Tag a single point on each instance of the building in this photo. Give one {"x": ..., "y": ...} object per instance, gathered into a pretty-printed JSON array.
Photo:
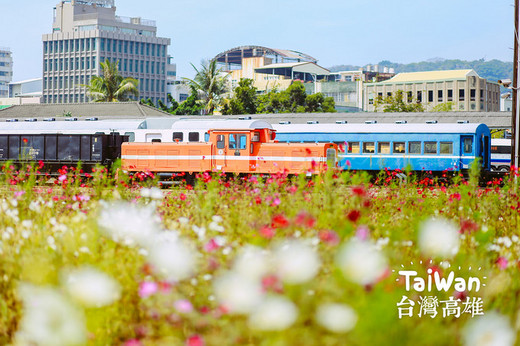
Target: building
[
  {"x": 24, "y": 92},
  {"x": 269, "y": 68},
  {"x": 87, "y": 32},
  {"x": 6, "y": 71},
  {"x": 464, "y": 90}
]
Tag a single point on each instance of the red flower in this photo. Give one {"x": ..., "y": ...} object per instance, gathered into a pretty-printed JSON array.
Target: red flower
[
  {"x": 468, "y": 226},
  {"x": 195, "y": 340},
  {"x": 359, "y": 191},
  {"x": 328, "y": 236},
  {"x": 279, "y": 221},
  {"x": 182, "y": 197},
  {"x": 267, "y": 232},
  {"x": 354, "y": 215},
  {"x": 271, "y": 283},
  {"x": 305, "y": 219}
]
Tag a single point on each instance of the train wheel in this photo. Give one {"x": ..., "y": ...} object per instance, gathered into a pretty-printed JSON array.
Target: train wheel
[{"x": 503, "y": 169}]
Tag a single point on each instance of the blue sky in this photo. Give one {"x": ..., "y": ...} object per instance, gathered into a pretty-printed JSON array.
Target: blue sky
[{"x": 355, "y": 32}]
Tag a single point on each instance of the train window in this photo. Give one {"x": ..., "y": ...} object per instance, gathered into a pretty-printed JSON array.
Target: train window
[
  {"x": 353, "y": 147},
  {"x": 206, "y": 137},
  {"x": 398, "y": 147},
  {"x": 468, "y": 145},
  {"x": 156, "y": 140},
  {"x": 193, "y": 136},
  {"x": 255, "y": 137},
  {"x": 221, "y": 141},
  {"x": 446, "y": 148},
  {"x": 242, "y": 142},
  {"x": 232, "y": 141},
  {"x": 414, "y": 147},
  {"x": 500, "y": 149},
  {"x": 383, "y": 147},
  {"x": 430, "y": 147},
  {"x": 369, "y": 147},
  {"x": 177, "y": 136}
]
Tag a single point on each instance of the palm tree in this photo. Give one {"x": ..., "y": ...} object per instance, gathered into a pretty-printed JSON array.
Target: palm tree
[
  {"x": 210, "y": 84},
  {"x": 111, "y": 86}
]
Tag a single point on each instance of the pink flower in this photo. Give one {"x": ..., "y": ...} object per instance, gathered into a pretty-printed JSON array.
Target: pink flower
[
  {"x": 147, "y": 288},
  {"x": 183, "y": 306},
  {"x": 501, "y": 262},
  {"x": 362, "y": 233},
  {"x": 19, "y": 193},
  {"x": 328, "y": 236},
  {"x": 276, "y": 202},
  {"x": 132, "y": 342},
  {"x": 62, "y": 178},
  {"x": 195, "y": 340},
  {"x": 211, "y": 245},
  {"x": 267, "y": 232}
]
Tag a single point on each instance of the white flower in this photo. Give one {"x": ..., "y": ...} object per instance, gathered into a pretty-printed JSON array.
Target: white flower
[
  {"x": 172, "y": 258},
  {"x": 49, "y": 319},
  {"x": 252, "y": 262},
  {"x": 91, "y": 287},
  {"x": 217, "y": 218},
  {"x": 129, "y": 224},
  {"x": 183, "y": 220},
  {"x": 361, "y": 262},
  {"x": 491, "y": 329},
  {"x": 337, "y": 318},
  {"x": 438, "y": 238},
  {"x": 238, "y": 293},
  {"x": 199, "y": 231},
  {"x": 296, "y": 262},
  {"x": 215, "y": 226},
  {"x": 153, "y": 193},
  {"x": 275, "y": 313}
]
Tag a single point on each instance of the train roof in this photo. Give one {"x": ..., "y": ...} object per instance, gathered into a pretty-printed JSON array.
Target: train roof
[
  {"x": 221, "y": 124},
  {"x": 378, "y": 128},
  {"x": 63, "y": 125}
]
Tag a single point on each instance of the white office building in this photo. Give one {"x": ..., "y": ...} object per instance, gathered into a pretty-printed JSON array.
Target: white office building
[
  {"x": 6, "y": 71},
  {"x": 87, "y": 32}
]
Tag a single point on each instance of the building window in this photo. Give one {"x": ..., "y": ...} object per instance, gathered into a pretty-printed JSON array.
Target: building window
[
  {"x": 409, "y": 97},
  {"x": 430, "y": 95},
  {"x": 481, "y": 95},
  {"x": 450, "y": 95},
  {"x": 472, "y": 94},
  {"x": 461, "y": 94},
  {"x": 439, "y": 95},
  {"x": 419, "y": 96}
]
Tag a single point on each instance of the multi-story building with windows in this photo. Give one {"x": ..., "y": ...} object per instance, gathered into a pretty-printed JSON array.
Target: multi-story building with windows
[
  {"x": 87, "y": 32},
  {"x": 6, "y": 71},
  {"x": 462, "y": 90}
]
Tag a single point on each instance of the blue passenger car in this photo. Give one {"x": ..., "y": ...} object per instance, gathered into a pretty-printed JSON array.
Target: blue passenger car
[{"x": 422, "y": 147}]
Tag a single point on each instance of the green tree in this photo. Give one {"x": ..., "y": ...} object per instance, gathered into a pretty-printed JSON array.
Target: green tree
[
  {"x": 210, "y": 83},
  {"x": 317, "y": 103},
  {"x": 244, "y": 100},
  {"x": 297, "y": 96},
  {"x": 443, "y": 107},
  {"x": 111, "y": 86},
  {"x": 191, "y": 106},
  {"x": 396, "y": 103}
]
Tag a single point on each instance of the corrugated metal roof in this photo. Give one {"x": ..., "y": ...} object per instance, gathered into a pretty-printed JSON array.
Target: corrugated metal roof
[
  {"x": 308, "y": 67},
  {"x": 427, "y": 76}
]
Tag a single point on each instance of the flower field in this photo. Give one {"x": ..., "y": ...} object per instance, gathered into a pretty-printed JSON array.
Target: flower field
[{"x": 333, "y": 260}]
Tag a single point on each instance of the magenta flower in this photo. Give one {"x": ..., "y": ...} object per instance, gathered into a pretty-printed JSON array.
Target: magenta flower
[
  {"x": 62, "y": 178},
  {"x": 132, "y": 342},
  {"x": 501, "y": 262},
  {"x": 211, "y": 245},
  {"x": 195, "y": 340},
  {"x": 147, "y": 288},
  {"x": 362, "y": 233},
  {"x": 183, "y": 306}
]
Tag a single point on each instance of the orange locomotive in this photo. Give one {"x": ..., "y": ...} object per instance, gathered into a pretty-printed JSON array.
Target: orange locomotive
[{"x": 229, "y": 151}]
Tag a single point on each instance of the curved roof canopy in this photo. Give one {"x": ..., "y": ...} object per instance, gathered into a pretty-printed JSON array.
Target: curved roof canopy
[{"x": 235, "y": 55}]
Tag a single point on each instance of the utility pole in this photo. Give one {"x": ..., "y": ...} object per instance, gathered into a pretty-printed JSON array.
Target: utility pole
[{"x": 515, "y": 119}]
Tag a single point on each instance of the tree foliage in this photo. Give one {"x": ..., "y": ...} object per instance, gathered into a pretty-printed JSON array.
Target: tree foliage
[
  {"x": 396, "y": 103},
  {"x": 443, "y": 107},
  {"x": 111, "y": 86},
  {"x": 292, "y": 100},
  {"x": 209, "y": 82}
]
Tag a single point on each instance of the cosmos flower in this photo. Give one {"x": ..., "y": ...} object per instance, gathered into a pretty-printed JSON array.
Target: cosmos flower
[
  {"x": 252, "y": 262},
  {"x": 275, "y": 313},
  {"x": 91, "y": 287},
  {"x": 238, "y": 293},
  {"x": 147, "y": 288},
  {"x": 296, "y": 262},
  {"x": 438, "y": 238},
  {"x": 491, "y": 329},
  {"x": 129, "y": 224},
  {"x": 153, "y": 193},
  {"x": 172, "y": 258},
  {"x": 183, "y": 306},
  {"x": 337, "y": 318},
  {"x": 361, "y": 262},
  {"x": 49, "y": 319}
]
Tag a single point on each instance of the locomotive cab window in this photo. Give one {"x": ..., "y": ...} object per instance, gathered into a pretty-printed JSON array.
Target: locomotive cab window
[
  {"x": 369, "y": 147},
  {"x": 384, "y": 147},
  {"x": 242, "y": 141},
  {"x": 255, "y": 137},
  {"x": 177, "y": 136},
  {"x": 430, "y": 147},
  {"x": 399, "y": 147},
  {"x": 414, "y": 147},
  {"x": 468, "y": 145},
  {"x": 193, "y": 136},
  {"x": 206, "y": 137},
  {"x": 232, "y": 141},
  {"x": 446, "y": 147},
  {"x": 353, "y": 147},
  {"x": 221, "y": 141}
]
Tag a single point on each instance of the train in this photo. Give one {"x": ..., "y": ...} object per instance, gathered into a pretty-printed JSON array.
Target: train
[
  {"x": 500, "y": 155},
  {"x": 426, "y": 147}
]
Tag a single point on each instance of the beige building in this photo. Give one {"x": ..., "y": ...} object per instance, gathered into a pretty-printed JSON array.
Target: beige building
[{"x": 463, "y": 89}]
